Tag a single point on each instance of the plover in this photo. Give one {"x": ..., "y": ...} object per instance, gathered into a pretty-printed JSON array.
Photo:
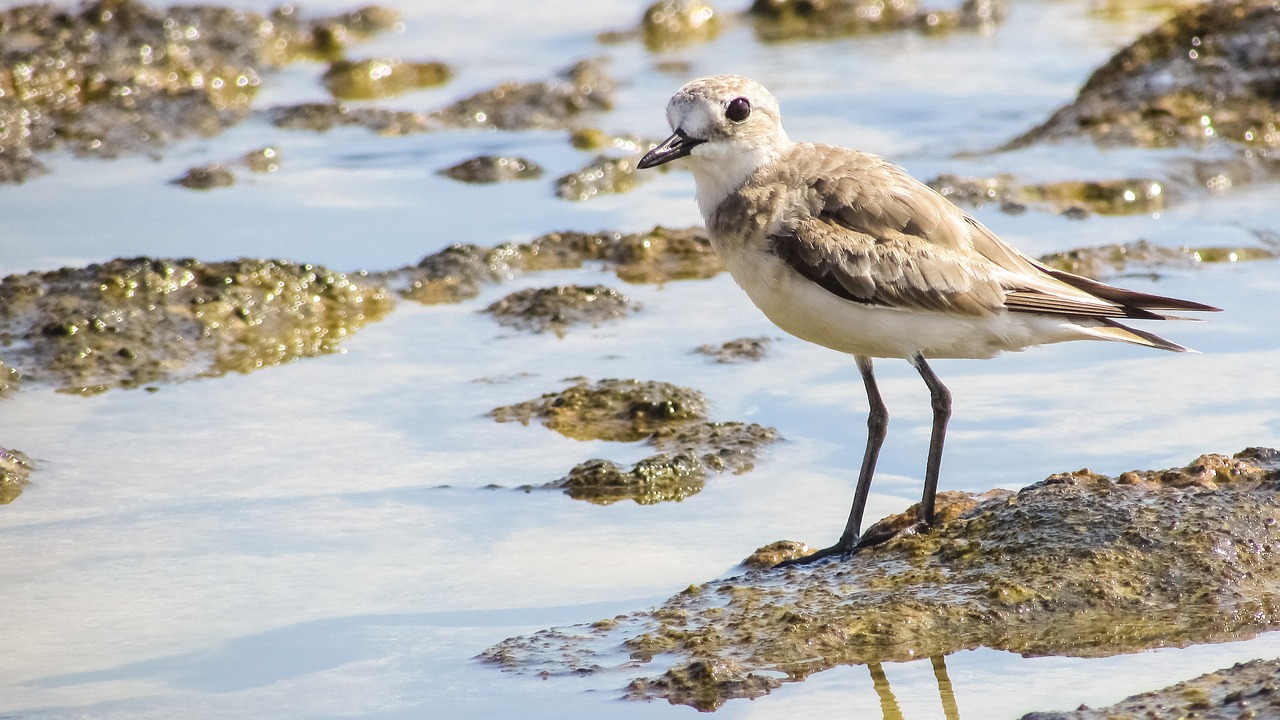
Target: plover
[{"x": 846, "y": 250}]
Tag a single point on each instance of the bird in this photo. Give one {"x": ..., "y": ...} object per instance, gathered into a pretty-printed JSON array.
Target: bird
[{"x": 846, "y": 250}]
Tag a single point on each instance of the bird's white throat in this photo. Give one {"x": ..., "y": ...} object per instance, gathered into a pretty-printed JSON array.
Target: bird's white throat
[{"x": 721, "y": 167}]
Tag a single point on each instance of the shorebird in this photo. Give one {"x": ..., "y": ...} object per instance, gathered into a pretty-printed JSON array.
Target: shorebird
[{"x": 846, "y": 250}]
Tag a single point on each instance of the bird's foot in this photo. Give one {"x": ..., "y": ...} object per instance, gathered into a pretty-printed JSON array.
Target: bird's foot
[{"x": 847, "y": 547}]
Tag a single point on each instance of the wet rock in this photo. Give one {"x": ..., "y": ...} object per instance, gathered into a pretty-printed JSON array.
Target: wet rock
[
  {"x": 206, "y": 177},
  {"x": 670, "y": 24},
  {"x": 622, "y": 410},
  {"x": 375, "y": 79},
  {"x": 117, "y": 77},
  {"x": 493, "y": 169},
  {"x": 737, "y": 351},
  {"x": 977, "y": 192},
  {"x": 557, "y": 308},
  {"x": 1129, "y": 196},
  {"x": 322, "y": 117},
  {"x": 131, "y": 322},
  {"x": 1210, "y": 72},
  {"x": 550, "y": 105},
  {"x": 1105, "y": 197},
  {"x": 660, "y": 478},
  {"x": 776, "y": 552},
  {"x": 1105, "y": 260},
  {"x": 688, "y": 452},
  {"x": 597, "y": 140},
  {"x": 1246, "y": 691},
  {"x": 602, "y": 176},
  {"x": 1079, "y": 564},
  {"x": 10, "y": 380},
  {"x": 458, "y": 272},
  {"x": 15, "y": 471},
  {"x": 789, "y": 19}
]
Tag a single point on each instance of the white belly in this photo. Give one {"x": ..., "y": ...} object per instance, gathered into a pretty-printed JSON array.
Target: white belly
[{"x": 810, "y": 313}]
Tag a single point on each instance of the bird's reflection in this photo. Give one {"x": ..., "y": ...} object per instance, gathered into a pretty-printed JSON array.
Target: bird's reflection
[{"x": 889, "y": 704}]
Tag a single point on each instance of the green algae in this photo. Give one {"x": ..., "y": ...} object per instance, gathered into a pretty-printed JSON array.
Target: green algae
[
  {"x": 1079, "y": 564},
  {"x": 583, "y": 88},
  {"x": 130, "y": 322}
]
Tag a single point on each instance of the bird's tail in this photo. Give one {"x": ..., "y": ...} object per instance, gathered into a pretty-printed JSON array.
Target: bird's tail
[{"x": 1111, "y": 330}]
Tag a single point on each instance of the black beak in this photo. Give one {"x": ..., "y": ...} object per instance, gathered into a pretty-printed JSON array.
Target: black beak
[{"x": 676, "y": 146}]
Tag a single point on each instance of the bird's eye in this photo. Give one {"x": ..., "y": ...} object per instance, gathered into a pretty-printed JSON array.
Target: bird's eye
[{"x": 739, "y": 109}]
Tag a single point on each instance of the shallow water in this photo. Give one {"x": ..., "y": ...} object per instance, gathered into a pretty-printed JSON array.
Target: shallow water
[{"x": 322, "y": 539}]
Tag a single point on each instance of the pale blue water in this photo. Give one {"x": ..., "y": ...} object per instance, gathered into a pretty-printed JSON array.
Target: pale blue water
[{"x": 279, "y": 544}]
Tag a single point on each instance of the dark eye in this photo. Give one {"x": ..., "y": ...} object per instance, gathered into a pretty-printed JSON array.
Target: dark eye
[{"x": 738, "y": 110}]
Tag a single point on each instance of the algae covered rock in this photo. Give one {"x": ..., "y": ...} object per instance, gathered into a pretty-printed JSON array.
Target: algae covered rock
[
  {"x": 1245, "y": 691},
  {"x": 558, "y": 308},
  {"x": 1079, "y": 564},
  {"x": 119, "y": 77},
  {"x": 137, "y": 321},
  {"x": 1210, "y": 72},
  {"x": 669, "y": 418},
  {"x": 458, "y": 272},
  {"x": 622, "y": 410},
  {"x": 548, "y": 105},
  {"x": 15, "y": 469},
  {"x": 484, "y": 169},
  {"x": 377, "y": 78}
]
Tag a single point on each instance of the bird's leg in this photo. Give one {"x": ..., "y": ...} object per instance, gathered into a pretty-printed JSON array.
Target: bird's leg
[
  {"x": 877, "y": 425},
  {"x": 941, "y": 401}
]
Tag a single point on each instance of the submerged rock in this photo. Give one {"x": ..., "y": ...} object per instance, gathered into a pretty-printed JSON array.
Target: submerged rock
[
  {"x": 458, "y": 272},
  {"x": 15, "y": 471},
  {"x": 1079, "y": 564},
  {"x": 1210, "y": 72},
  {"x": 131, "y": 322},
  {"x": 493, "y": 169},
  {"x": 374, "y": 79},
  {"x": 556, "y": 308},
  {"x": 740, "y": 350},
  {"x": 206, "y": 177},
  {"x": 118, "y": 77},
  {"x": 1245, "y": 691}
]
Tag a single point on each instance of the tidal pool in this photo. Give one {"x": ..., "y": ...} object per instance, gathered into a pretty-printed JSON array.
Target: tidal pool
[{"x": 342, "y": 535}]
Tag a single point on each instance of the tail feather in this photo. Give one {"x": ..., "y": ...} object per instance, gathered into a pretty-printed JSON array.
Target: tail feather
[
  {"x": 1112, "y": 330},
  {"x": 1139, "y": 304}
]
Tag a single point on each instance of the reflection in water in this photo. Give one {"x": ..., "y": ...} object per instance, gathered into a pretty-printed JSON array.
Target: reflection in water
[{"x": 889, "y": 704}]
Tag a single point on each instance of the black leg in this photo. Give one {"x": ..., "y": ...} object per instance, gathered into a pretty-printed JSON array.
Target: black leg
[
  {"x": 877, "y": 425},
  {"x": 941, "y": 401}
]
